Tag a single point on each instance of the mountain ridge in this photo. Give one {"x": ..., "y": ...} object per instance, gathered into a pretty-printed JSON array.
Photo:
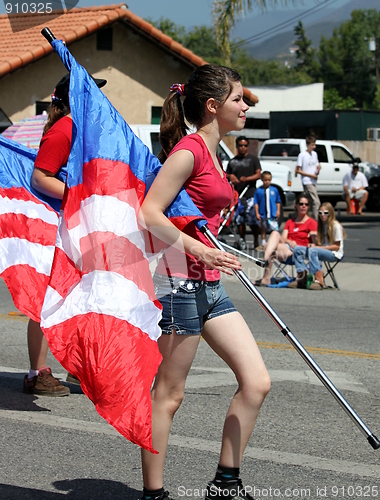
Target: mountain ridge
[{"x": 322, "y": 23}]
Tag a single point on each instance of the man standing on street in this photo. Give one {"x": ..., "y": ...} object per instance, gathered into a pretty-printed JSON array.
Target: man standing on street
[
  {"x": 309, "y": 167},
  {"x": 243, "y": 171},
  {"x": 355, "y": 188}
]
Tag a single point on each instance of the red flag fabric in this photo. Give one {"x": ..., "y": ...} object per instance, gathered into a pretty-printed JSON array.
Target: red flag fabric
[{"x": 28, "y": 229}]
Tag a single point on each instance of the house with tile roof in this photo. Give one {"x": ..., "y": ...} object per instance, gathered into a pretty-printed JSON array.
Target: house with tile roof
[{"x": 138, "y": 61}]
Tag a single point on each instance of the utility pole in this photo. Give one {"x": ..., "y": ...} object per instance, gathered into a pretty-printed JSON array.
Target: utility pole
[
  {"x": 373, "y": 46},
  {"x": 377, "y": 60}
]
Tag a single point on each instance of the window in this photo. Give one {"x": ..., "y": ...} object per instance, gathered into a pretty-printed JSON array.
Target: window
[
  {"x": 104, "y": 39},
  {"x": 281, "y": 149},
  {"x": 341, "y": 155},
  {"x": 322, "y": 153},
  {"x": 4, "y": 121},
  {"x": 373, "y": 134},
  {"x": 257, "y": 123},
  {"x": 156, "y": 146},
  {"x": 42, "y": 106},
  {"x": 156, "y": 115}
]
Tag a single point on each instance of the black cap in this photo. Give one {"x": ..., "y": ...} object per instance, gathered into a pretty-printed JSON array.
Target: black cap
[{"x": 61, "y": 90}]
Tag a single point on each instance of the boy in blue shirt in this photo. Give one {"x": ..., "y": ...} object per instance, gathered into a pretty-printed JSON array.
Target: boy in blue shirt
[{"x": 267, "y": 203}]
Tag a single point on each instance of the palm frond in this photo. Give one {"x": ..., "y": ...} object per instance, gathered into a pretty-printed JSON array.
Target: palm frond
[{"x": 225, "y": 14}]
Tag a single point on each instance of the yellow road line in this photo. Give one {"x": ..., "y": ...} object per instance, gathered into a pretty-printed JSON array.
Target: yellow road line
[
  {"x": 320, "y": 350},
  {"x": 14, "y": 316}
]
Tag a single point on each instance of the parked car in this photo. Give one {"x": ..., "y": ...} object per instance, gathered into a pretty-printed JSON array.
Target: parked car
[
  {"x": 336, "y": 161},
  {"x": 372, "y": 172}
]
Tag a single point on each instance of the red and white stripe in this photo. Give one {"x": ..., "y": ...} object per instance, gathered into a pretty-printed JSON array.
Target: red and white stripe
[
  {"x": 28, "y": 231},
  {"x": 100, "y": 313}
]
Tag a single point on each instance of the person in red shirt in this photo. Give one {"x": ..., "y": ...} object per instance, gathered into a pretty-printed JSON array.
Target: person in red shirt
[
  {"x": 49, "y": 178},
  {"x": 187, "y": 280},
  {"x": 296, "y": 232}
]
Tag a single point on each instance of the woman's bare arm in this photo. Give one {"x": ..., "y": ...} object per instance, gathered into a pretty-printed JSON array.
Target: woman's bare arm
[
  {"x": 44, "y": 182},
  {"x": 170, "y": 179}
]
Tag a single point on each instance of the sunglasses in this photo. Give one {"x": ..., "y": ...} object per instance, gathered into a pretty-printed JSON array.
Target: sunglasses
[
  {"x": 242, "y": 145},
  {"x": 303, "y": 204},
  {"x": 325, "y": 212}
]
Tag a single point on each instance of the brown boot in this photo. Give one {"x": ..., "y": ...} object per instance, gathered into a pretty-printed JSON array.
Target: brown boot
[
  {"x": 300, "y": 282},
  {"x": 318, "y": 282}
]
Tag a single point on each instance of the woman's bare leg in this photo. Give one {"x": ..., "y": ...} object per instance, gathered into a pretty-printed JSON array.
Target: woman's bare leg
[
  {"x": 229, "y": 336},
  {"x": 178, "y": 352},
  {"x": 275, "y": 248}
]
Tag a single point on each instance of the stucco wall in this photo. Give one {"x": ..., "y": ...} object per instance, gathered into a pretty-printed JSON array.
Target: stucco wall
[{"x": 139, "y": 75}]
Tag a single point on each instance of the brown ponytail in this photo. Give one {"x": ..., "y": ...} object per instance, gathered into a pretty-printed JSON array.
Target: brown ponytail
[
  {"x": 173, "y": 126},
  {"x": 207, "y": 81},
  {"x": 55, "y": 113}
]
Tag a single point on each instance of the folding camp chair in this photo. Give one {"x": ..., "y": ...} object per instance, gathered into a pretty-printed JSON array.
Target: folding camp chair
[
  {"x": 284, "y": 271},
  {"x": 330, "y": 266}
]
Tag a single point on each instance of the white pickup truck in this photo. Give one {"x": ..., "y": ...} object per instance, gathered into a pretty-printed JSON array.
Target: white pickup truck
[
  {"x": 281, "y": 176},
  {"x": 335, "y": 159}
]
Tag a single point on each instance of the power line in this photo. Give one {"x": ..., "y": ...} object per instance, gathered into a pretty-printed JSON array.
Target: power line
[{"x": 283, "y": 24}]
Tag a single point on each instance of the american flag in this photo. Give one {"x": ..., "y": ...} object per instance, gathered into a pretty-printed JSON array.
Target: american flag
[
  {"x": 100, "y": 314},
  {"x": 28, "y": 229}
]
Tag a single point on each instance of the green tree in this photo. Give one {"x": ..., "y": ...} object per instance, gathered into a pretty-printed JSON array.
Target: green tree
[
  {"x": 376, "y": 101},
  {"x": 201, "y": 40},
  {"x": 346, "y": 62},
  {"x": 305, "y": 54},
  {"x": 332, "y": 100},
  {"x": 178, "y": 33}
]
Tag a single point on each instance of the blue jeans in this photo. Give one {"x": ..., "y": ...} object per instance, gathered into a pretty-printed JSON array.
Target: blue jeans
[{"x": 315, "y": 255}]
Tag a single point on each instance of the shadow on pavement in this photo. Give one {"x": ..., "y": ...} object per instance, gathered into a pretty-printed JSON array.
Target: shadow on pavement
[
  {"x": 13, "y": 398},
  {"x": 76, "y": 489}
]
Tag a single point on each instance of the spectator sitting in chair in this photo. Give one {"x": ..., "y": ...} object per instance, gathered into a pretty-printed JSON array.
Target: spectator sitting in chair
[
  {"x": 297, "y": 232},
  {"x": 354, "y": 188},
  {"x": 327, "y": 247}
]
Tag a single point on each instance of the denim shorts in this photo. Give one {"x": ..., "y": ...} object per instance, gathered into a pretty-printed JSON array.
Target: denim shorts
[{"x": 188, "y": 304}]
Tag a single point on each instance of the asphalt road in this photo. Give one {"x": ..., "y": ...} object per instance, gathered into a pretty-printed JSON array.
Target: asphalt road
[{"x": 304, "y": 445}]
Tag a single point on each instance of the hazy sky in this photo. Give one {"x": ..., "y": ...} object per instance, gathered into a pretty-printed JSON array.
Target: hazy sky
[
  {"x": 189, "y": 13},
  {"x": 197, "y": 12}
]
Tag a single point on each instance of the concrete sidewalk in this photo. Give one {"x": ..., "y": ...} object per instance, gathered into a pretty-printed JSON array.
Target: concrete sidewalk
[{"x": 349, "y": 275}]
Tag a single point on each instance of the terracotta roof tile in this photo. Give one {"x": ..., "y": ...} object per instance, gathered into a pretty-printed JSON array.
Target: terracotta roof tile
[
  {"x": 22, "y": 46},
  {"x": 25, "y": 43}
]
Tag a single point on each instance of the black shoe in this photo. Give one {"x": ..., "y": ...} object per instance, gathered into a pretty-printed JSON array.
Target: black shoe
[
  {"x": 164, "y": 496},
  {"x": 234, "y": 491}
]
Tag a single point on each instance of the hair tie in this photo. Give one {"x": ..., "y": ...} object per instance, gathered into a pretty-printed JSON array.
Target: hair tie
[
  {"x": 178, "y": 87},
  {"x": 54, "y": 98}
]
